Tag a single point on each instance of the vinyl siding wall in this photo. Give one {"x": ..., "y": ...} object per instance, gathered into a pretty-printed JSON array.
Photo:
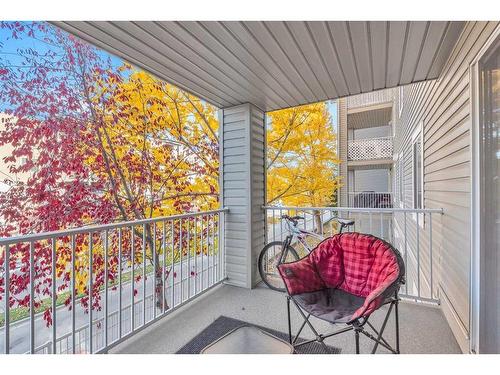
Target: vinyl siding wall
[{"x": 442, "y": 107}]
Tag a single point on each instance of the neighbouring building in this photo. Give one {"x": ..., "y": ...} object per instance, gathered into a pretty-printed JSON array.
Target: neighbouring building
[
  {"x": 366, "y": 144},
  {"x": 7, "y": 177}
]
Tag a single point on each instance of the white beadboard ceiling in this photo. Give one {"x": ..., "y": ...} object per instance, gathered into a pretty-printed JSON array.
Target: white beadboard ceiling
[
  {"x": 276, "y": 64},
  {"x": 380, "y": 115}
]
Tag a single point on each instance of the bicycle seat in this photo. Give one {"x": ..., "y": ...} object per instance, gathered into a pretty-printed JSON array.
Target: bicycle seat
[{"x": 345, "y": 222}]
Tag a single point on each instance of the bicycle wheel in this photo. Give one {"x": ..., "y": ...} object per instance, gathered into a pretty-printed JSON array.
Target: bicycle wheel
[{"x": 268, "y": 261}]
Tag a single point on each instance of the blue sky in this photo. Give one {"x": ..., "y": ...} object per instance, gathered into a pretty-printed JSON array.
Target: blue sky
[
  {"x": 332, "y": 108},
  {"x": 9, "y": 47}
]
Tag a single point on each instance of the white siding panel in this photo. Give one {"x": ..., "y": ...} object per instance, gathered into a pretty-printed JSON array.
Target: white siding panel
[
  {"x": 243, "y": 191},
  {"x": 442, "y": 106}
]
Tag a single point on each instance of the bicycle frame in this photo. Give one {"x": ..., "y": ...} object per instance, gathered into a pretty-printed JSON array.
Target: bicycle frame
[{"x": 299, "y": 234}]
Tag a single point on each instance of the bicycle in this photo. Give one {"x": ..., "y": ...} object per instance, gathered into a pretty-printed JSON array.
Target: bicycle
[{"x": 278, "y": 252}]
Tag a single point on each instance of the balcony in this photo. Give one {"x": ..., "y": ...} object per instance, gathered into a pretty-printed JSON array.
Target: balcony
[
  {"x": 366, "y": 199},
  {"x": 370, "y": 149},
  {"x": 370, "y": 99},
  {"x": 190, "y": 263},
  {"x": 158, "y": 283}
]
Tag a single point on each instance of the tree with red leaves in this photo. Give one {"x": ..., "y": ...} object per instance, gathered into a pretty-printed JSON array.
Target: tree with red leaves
[{"x": 101, "y": 143}]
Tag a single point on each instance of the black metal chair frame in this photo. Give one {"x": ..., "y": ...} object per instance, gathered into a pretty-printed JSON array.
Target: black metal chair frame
[{"x": 357, "y": 325}]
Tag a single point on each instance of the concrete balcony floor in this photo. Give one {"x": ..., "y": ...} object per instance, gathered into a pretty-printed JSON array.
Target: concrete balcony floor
[{"x": 423, "y": 328}]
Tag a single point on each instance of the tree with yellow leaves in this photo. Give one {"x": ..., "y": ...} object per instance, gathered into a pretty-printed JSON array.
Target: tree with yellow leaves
[{"x": 302, "y": 157}]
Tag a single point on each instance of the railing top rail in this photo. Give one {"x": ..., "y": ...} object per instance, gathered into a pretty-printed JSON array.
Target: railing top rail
[
  {"x": 359, "y": 209},
  {"x": 371, "y": 139},
  {"x": 369, "y": 192},
  {"x": 98, "y": 228}
]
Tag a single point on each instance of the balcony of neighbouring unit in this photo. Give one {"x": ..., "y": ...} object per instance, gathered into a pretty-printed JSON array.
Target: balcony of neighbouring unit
[{"x": 370, "y": 149}]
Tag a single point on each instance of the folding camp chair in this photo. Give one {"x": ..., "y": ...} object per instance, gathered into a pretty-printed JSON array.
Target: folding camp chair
[{"x": 344, "y": 280}]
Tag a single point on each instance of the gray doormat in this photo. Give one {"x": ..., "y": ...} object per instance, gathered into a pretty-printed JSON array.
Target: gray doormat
[{"x": 223, "y": 325}]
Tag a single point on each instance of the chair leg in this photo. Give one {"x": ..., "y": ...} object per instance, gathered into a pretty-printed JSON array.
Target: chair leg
[
  {"x": 297, "y": 335},
  {"x": 396, "y": 311},
  {"x": 356, "y": 336},
  {"x": 381, "y": 332},
  {"x": 289, "y": 319}
]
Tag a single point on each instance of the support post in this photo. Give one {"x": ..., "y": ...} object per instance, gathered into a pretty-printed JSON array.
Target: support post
[{"x": 242, "y": 157}]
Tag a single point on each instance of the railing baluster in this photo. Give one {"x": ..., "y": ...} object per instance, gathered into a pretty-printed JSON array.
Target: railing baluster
[
  {"x": 172, "y": 265},
  {"x": 181, "y": 259},
  {"x": 406, "y": 252},
  {"x": 382, "y": 234},
  {"x": 217, "y": 248},
  {"x": 281, "y": 225},
  {"x": 73, "y": 292},
  {"x": 106, "y": 249},
  {"x": 274, "y": 225},
  {"x": 220, "y": 225},
  {"x": 155, "y": 275},
  {"x": 90, "y": 291},
  {"x": 132, "y": 280},
  {"x": 120, "y": 283},
  {"x": 32, "y": 297},
  {"x": 202, "y": 255},
  {"x": 163, "y": 269},
  {"x": 430, "y": 254},
  {"x": 144, "y": 274},
  {"x": 213, "y": 250},
  {"x": 208, "y": 251},
  {"x": 195, "y": 255},
  {"x": 418, "y": 254},
  {"x": 321, "y": 229},
  {"x": 54, "y": 296},
  {"x": 188, "y": 258},
  {"x": 6, "y": 299}
]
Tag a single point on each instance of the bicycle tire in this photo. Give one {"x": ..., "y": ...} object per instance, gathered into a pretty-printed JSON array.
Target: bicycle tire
[{"x": 273, "y": 280}]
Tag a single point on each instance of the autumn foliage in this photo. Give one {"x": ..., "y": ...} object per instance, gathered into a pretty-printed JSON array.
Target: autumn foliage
[
  {"x": 101, "y": 143},
  {"x": 302, "y": 157}
]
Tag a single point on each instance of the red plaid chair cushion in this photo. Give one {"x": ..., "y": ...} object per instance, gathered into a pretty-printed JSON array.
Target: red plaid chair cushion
[{"x": 359, "y": 264}]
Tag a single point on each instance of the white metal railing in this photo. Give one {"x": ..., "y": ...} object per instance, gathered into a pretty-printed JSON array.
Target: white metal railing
[
  {"x": 409, "y": 230},
  {"x": 156, "y": 265},
  {"x": 64, "y": 344},
  {"x": 370, "y": 199},
  {"x": 370, "y": 148}
]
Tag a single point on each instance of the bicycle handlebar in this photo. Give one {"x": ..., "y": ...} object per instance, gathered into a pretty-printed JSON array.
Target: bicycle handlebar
[{"x": 293, "y": 219}]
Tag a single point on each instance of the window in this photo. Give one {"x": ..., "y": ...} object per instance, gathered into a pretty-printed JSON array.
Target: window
[{"x": 417, "y": 169}]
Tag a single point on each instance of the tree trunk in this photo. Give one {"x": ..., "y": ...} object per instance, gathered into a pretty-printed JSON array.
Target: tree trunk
[
  {"x": 318, "y": 225},
  {"x": 161, "y": 298}
]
